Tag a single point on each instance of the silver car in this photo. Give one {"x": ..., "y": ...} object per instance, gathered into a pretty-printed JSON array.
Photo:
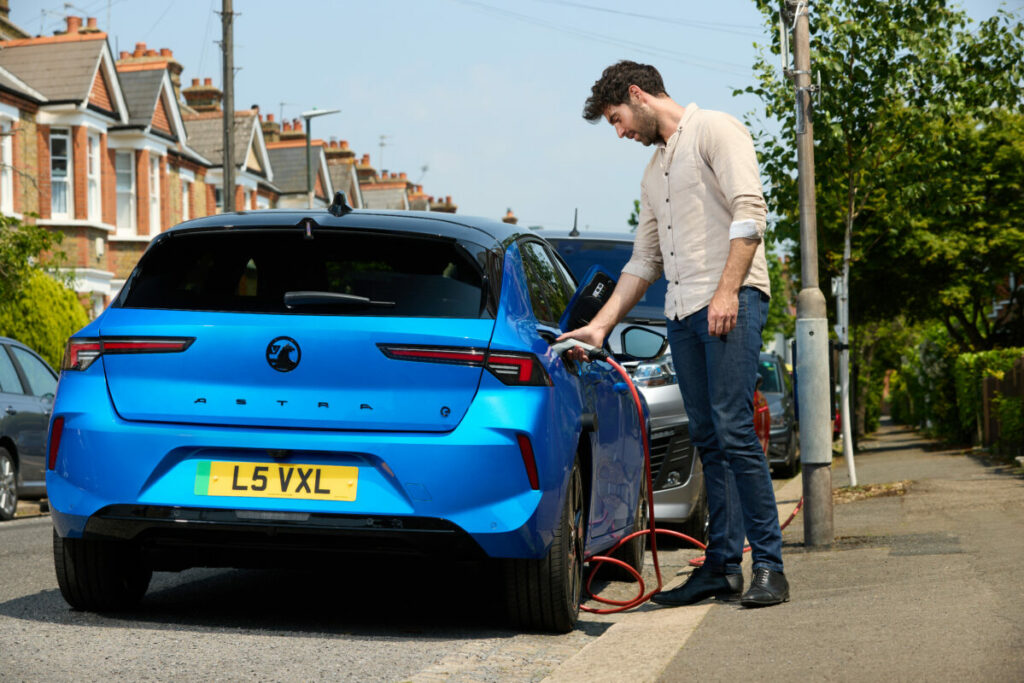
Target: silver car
[{"x": 679, "y": 496}]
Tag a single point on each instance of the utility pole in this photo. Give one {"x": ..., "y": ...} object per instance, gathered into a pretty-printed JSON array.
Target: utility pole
[
  {"x": 227, "y": 18},
  {"x": 811, "y": 316}
]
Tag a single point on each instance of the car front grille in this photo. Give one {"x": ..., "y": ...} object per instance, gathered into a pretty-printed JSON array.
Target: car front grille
[{"x": 671, "y": 451}]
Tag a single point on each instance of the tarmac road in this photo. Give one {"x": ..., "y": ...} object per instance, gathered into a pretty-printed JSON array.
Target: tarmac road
[{"x": 918, "y": 587}]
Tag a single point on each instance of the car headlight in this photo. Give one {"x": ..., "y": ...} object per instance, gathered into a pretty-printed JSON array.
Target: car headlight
[
  {"x": 778, "y": 419},
  {"x": 657, "y": 373}
]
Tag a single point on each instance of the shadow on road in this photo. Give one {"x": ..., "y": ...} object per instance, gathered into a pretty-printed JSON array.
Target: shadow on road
[{"x": 415, "y": 600}]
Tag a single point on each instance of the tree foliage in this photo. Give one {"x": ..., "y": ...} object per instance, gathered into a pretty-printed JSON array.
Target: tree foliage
[
  {"x": 917, "y": 131},
  {"x": 43, "y": 315},
  {"x": 21, "y": 245}
]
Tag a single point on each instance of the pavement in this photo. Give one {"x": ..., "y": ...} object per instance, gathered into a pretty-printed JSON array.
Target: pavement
[{"x": 918, "y": 586}]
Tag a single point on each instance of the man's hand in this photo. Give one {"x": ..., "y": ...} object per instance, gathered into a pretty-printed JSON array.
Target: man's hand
[
  {"x": 722, "y": 312},
  {"x": 590, "y": 334}
]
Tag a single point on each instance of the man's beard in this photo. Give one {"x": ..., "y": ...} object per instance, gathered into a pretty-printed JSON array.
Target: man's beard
[{"x": 645, "y": 125}]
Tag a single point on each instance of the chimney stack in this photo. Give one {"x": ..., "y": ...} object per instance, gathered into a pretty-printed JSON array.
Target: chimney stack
[
  {"x": 203, "y": 98},
  {"x": 271, "y": 129},
  {"x": 292, "y": 130}
]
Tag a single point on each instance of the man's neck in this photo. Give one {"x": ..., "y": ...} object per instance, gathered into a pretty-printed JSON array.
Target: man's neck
[{"x": 669, "y": 114}]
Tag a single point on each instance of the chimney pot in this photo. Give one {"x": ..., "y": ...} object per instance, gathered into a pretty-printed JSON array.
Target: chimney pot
[
  {"x": 297, "y": 125},
  {"x": 195, "y": 82},
  {"x": 270, "y": 117},
  {"x": 166, "y": 52},
  {"x": 140, "y": 50},
  {"x": 124, "y": 54},
  {"x": 366, "y": 160},
  {"x": 74, "y": 24},
  {"x": 151, "y": 53},
  {"x": 287, "y": 126},
  {"x": 90, "y": 22},
  {"x": 207, "y": 81},
  {"x": 448, "y": 199},
  {"x": 402, "y": 176},
  {"x": 344, "y": 144}
]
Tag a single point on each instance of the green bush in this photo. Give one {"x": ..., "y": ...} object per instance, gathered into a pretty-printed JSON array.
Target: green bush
[
  {"x": 42, "y": 315},
  {"x": 969, "y": 371}
]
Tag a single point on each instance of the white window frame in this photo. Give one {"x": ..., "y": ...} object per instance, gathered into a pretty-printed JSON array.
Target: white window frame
[
  {"x": 6, "y": 166},
  {"x": 186, "y": 199},
  {"x": 94, "y": 195},
  {"x": 67, "y": 181},
  {"x": 132, "y": 227},
  {"x": 155, "y": 225}
]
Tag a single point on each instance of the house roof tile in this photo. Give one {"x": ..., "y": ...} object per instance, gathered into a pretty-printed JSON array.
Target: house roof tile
[{"x": 61, "y": 71}]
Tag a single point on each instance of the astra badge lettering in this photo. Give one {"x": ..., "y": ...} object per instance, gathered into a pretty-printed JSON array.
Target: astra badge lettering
[{"x": 284, "y": 354}]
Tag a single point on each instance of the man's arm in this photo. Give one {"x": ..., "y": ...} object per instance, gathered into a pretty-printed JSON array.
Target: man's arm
[{"x": 725, "y": 302}]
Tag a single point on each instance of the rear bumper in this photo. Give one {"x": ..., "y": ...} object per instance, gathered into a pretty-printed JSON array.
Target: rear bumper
[
  {"x": 120, "y": 478},
  {"x": 176, "y": 538}
]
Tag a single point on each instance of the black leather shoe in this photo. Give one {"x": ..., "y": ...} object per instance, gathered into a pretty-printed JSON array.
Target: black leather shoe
[
  {"x": 767, "y": 587},
  {"x": 702, "y": 584}
]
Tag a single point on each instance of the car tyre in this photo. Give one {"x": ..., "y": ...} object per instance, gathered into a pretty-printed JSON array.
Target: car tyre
[
  {"x": 8, "y": 485},
  {"x": 99, "y": 575},
  {"x": 633, "y": 551},
  {"x": 544, "y": 594},
  {"x": 789, "y": 468},
  {"x": 696, "y": 525}
]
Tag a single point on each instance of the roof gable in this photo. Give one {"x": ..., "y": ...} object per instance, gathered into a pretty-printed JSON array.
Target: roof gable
[
  {"x": 161, "y": 120},
  {"x": 99, "y": 94}
]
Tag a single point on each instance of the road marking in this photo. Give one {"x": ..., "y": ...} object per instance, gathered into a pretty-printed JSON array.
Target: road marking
[{"x": 637, "y": 648}]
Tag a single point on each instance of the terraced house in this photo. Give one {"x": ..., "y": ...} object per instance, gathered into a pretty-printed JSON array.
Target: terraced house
[{"x": 112, "y": 152}]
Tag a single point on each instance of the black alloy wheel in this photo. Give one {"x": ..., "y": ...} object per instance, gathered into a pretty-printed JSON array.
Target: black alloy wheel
[{"x": 631, "y": 552}]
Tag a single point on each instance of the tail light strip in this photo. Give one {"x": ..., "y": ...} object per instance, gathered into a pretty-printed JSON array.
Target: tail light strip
[
  {"x": 511, "y": 368},
  {"x": 81, "y": 352}
]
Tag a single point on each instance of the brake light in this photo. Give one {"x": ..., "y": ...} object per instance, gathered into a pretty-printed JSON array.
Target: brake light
[
  {"x": 512, "y": 368},
  {"x": 526, "y": 448},
  {"x": 55, "y": 433},
  {"x": 82, "y": 352}
]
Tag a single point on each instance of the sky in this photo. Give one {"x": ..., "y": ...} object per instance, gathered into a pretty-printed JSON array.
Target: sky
[{"x": 477, "y": 99}]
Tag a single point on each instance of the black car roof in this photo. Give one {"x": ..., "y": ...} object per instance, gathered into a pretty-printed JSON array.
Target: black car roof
[
  {"x": 482, "y": 231},
  {"x": 562, "y": 234}
]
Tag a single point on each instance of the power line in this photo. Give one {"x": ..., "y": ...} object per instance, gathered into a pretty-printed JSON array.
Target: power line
[
  {"x": 737, "y": 29},
  {"x": 643, "y": 48}
]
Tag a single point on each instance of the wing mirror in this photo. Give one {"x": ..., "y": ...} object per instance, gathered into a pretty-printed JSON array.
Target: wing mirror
[{"x": 642, "y": 343}]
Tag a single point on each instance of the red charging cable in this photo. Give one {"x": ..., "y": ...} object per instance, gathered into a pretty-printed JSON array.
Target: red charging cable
[{"x": 652, "y": 531}]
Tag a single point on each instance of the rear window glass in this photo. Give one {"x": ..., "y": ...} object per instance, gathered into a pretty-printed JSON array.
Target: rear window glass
[{"x": 381, "y": 274}]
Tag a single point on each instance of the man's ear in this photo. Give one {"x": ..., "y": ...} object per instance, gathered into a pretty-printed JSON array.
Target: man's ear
[{"x": 636, "y": 94}]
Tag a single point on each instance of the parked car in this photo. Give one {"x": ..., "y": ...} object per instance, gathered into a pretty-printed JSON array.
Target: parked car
[
  {"x": 276, "y": 386},
  {"x": 27, "y": 386},
  {"x": 679, "y": 496},
  {"x": 777, "y": 388}
]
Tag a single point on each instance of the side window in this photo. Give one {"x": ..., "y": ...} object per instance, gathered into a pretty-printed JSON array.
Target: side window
[
  {"x": 566, "y": 278},
  {"x": 9, "y": 382},
  {"x": 40, "y": 379},
  {"x": 547, "y": 290}
]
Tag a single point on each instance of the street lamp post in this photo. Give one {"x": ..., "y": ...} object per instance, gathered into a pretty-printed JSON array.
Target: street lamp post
[{"x": 309, "y": 116}]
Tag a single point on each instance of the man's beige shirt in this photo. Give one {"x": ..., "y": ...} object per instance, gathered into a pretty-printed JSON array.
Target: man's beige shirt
[{"x": 700, "y": 189}]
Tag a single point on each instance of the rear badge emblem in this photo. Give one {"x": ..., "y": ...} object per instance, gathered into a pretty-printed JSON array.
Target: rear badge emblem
[
  {"x": 284, "y": 354},
  {"x": 446, "y": 411}
]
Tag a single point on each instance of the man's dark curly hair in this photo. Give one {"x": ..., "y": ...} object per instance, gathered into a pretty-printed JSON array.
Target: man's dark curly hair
[{"x": 613, "y": 87}]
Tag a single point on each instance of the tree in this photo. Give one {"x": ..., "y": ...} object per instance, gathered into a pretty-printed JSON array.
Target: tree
[
  {"x": 43, "y": 315},
  {"x": 908, "y": 90},
  {"x": 36, "y": 306}
]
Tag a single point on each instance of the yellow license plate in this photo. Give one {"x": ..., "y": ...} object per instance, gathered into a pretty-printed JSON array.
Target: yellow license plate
[{"x": 256, "y": 480}]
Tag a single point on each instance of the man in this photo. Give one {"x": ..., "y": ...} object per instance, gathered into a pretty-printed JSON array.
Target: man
[{"x": 702, "y": 222}]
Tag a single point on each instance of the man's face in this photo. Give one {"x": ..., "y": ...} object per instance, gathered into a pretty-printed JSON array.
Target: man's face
[{"x": 633, "y": 121}]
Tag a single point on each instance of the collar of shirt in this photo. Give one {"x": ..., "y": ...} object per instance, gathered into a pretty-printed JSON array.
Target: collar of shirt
[{"x": 668, "y": 148}]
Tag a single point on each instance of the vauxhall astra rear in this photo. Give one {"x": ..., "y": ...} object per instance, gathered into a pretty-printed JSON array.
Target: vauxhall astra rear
[{"x": 273, "y": 385}]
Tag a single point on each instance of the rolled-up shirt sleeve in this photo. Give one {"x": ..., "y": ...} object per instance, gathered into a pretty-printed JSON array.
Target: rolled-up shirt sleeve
[
  {"x": 646, "y": 261},
  {"x": 731, "y": 156}
]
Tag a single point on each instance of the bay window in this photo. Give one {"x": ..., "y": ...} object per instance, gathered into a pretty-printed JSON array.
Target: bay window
[
  {"x": 60, "y": 174},
  {"x": 124, "y": 167}
]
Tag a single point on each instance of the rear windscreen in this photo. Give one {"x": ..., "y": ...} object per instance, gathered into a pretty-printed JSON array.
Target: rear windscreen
[{"x": 280, "y": 271}]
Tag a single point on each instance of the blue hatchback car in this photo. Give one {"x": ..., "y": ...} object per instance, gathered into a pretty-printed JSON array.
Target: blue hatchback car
[{"x": 277, "y": 386}]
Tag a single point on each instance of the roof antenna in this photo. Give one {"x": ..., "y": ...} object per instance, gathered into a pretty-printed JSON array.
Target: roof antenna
[
  {"x": 339, "y": 207},
  {"x": 575, "y": 215}
]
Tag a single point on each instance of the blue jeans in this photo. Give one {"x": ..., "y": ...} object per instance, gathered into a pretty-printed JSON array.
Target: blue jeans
[{"x": 717, "y": 376}]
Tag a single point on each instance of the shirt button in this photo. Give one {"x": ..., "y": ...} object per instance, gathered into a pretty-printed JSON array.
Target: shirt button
[
  {"x": 670, "y": 227},
  {"x": 666, "y": 174},
  {"x": 671, "y": 253},
  {"x": 666, "y": 199},
  {"x": 677, "y": 282}
]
